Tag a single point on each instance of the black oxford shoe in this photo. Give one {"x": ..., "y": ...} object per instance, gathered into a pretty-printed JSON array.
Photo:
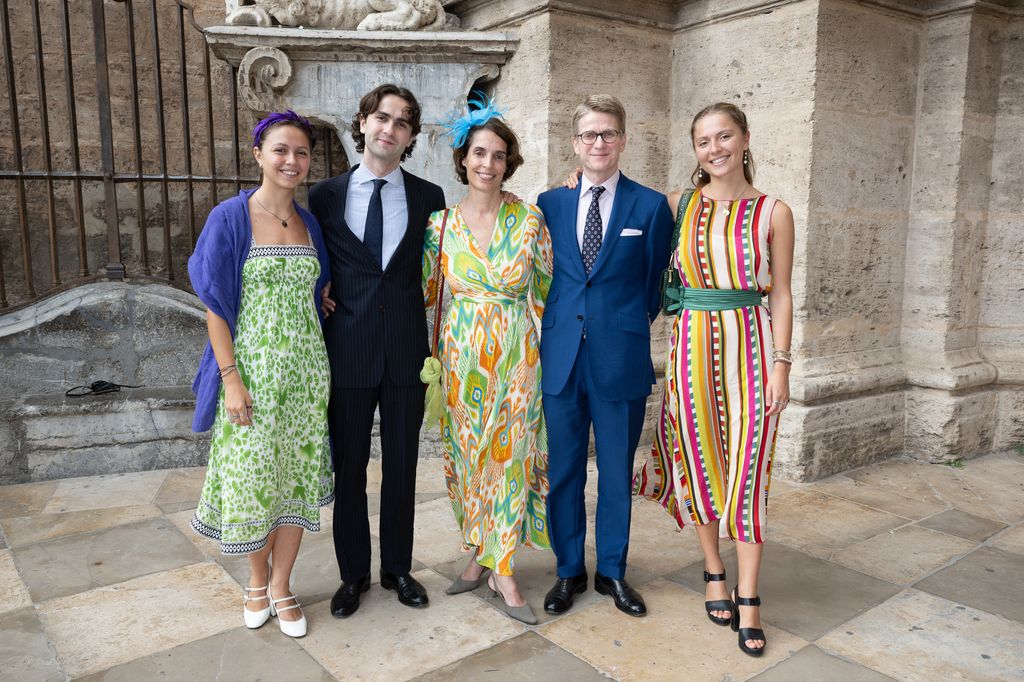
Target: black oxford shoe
[
  {"x": 345, "y": 601},
  {"x": 410, "y": 592},
  {"x": 559, "y": 598},
  {"x": 625, "y": 597}
]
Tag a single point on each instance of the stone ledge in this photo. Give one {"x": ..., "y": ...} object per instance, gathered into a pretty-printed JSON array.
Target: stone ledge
[{"x": 52, "y": 436}]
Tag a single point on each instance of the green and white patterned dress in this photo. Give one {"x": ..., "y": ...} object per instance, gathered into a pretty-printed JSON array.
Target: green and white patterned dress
[{"x": 276, "y": 471}]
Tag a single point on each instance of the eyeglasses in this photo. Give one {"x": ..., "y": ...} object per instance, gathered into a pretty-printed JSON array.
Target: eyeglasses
[{"x": 590, "y": 137}]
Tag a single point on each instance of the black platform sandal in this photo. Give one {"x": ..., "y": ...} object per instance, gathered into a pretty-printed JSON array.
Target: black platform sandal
[
  {"x": 717, "y": 604},
  {"x": 746, "y": 633}
]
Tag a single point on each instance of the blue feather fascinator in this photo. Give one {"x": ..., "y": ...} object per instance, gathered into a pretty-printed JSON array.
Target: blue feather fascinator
[{"x": 481, "y": 109}]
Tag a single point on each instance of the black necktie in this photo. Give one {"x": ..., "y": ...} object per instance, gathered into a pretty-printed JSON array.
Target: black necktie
[
  {"x": 593, "y": 229},
  {"x": 373, "y": 233}
]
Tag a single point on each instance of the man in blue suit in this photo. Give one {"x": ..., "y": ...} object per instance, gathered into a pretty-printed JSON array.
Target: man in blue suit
[{"x": 611, "y": 241}]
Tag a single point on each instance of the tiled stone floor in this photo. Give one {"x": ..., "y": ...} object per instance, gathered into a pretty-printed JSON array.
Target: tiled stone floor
[{"x": 900, "y": 570}]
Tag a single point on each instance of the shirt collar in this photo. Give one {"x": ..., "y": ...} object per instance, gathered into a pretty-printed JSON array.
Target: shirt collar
[
  {"x": 609, "y": 185},
  {"x": 362, "y": 175}
]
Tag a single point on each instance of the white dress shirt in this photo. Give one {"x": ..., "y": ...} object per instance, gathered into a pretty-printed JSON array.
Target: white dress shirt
[
  {"x": 604, "y": 205},
  {"x": 392, "y": 197}
]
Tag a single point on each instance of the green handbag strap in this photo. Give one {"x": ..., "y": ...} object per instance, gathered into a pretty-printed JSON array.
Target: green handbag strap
[{"x": 684, "y": 201}]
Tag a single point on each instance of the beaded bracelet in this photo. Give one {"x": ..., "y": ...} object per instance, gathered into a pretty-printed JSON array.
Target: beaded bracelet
[{"x": 785, "y": 356}]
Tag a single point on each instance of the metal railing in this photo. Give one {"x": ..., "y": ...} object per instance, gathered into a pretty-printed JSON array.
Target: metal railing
[{"x": 117, "y": 190}]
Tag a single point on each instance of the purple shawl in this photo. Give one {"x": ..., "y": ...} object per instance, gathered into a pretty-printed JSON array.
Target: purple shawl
[{"x": 215, "y": 269}]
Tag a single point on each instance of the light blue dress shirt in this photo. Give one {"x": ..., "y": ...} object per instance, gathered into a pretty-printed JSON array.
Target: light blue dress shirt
[{"x": 392, "y": 196}]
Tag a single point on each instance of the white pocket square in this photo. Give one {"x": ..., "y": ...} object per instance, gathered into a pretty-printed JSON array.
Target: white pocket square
[{"x": 631, "y": 232}]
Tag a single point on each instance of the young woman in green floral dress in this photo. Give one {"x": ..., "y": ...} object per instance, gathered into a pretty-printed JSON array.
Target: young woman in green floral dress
[{"x": 264, "y": 381}]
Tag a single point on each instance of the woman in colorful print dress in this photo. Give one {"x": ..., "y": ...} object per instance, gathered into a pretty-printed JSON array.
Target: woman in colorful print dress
[
  {"x": 264, "y": 382},
  {"x": 727, "y": 379},
  {"x": 496, "y": 260}
]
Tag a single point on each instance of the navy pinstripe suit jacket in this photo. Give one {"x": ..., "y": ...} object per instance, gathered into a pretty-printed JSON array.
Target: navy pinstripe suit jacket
[{"x": 380, "y": 321}]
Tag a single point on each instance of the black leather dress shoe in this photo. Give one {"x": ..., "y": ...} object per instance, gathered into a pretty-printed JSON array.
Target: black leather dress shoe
[
  {"x": 626, "y": 598},
  {"x": 559, "y": 598},
  {"x": 345, "y": 601},
  {"x": 410, "y": 592}
]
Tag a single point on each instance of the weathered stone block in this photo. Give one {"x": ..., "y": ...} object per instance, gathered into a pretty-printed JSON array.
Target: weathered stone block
[
  {"x": 815, "y": 441},
  {"x": 942, "y": 426}
]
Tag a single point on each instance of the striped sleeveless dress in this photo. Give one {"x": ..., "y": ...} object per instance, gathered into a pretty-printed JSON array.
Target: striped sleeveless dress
[{"x": 713, "y": 444}]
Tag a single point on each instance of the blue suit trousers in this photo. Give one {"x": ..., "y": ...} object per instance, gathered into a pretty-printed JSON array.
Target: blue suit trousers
[{"x": 617, "y": 425}]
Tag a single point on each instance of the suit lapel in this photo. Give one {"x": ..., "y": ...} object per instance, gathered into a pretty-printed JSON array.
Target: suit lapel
[
  {"x": 622, "y": 206},
  {"x": 414, "y": 209},
  {"x": 570, "y": 206}
]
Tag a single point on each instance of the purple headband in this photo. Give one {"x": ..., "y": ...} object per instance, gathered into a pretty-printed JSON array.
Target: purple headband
[{"x": 275, "y": 117}]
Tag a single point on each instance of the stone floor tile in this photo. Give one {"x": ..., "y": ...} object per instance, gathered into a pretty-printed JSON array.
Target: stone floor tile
[
  {"x": 429, "y": 476},
  {"x": 802, "y": 594},
  {"x": 987, "y": 579},
  {"x": 25, "y": 652},
  {"x": 96, "y": 630},
  {"x": 13, "y": 594},
  {"x": 781, "y": 487},
  {"x": 820, "y": 524},
  {"x": 25, "y": 498},
  {"x": 436, "y": 537},
  {"x": 650, "y": 648},
  {"x": 238, "y": 654},
  {"x": 1000, "y": 484},
  {"x": 961, "y": 524},
  {"x": 526, "y": 657},
  {"x": 877, "y": 497},
  {"x": 81, "y": 562},
  {"x": 920, "y": 637},
  {"x": 181, "y": 489},
  {"x": 1010, "y": 540},
  {"x": 99, "y": 492},
  {"x": 28, "y": 530},
  {"x": 905, "y": 555},
  {"x": 385, "y": 640},
  {"x": 928, "y": 482},
  {"x": 811, "y": 663}
]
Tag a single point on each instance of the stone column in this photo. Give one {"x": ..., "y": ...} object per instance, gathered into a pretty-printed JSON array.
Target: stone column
[{"x": 947, "y": 415}]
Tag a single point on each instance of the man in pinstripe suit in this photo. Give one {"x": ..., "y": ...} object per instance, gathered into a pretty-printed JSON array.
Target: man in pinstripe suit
[{"x": 373, "y": 218}]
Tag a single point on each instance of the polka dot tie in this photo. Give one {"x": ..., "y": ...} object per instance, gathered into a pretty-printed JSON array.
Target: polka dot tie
[{"x": 593, "y": 229}]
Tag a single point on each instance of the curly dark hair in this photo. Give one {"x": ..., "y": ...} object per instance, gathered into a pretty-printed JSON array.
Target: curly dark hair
[
  {"x": 513, "y": 159},
  {"x": 369, "y": 104}
]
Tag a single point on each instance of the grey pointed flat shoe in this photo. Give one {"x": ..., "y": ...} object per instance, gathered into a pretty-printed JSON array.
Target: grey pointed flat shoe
[
  {"x": 462, "y": 585},
  {"x": 524, "y": 614}
]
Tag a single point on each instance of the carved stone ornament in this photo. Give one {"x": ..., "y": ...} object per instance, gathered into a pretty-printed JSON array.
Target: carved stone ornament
[
  {"x": 362, "y": 15},
  {"x": 263, "y": 74}
]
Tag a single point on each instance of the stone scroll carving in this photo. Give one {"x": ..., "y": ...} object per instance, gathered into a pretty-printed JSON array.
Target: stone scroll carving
[
  {"x": 362, "y": 15},
  {"x": 263, "y": 74}
]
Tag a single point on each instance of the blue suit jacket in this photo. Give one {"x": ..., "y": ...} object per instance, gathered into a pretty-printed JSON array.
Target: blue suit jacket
[{"x": 616, "y": 304}]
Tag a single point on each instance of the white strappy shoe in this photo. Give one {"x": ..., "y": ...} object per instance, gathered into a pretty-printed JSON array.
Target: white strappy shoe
[
  {"x": 255, "y": 619},
  {"x": 292, "y": 628}
]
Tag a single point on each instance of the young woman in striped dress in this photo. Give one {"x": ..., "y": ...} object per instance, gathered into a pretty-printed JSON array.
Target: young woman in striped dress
[{"x": 727, "y": 376}]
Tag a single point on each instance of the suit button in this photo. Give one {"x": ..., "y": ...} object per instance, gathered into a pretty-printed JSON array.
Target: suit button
[
  {"x": 382, "y": 307},
  {"x": 588, "y": 285},
  {"x": 388, "y": 275},
  {"x": 579, "y": 317}
]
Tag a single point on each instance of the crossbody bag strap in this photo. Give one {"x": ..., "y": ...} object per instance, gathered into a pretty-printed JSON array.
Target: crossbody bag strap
[
  {"x": 440, "y": 286},
  {"x": 684, "y": 202}
]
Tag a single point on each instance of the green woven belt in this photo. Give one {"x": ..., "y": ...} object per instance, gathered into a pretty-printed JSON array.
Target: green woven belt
[{"x": 688, "y": 298}]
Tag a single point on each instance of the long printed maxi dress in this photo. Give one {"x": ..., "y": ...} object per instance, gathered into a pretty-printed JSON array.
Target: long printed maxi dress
[
  {"x": 493, "y": 425},
  {"x": 713, "y": 444},
  {"x": 276, "y": 471}
]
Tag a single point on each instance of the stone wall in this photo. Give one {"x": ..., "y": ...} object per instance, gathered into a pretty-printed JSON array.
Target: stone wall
[{"x": 891, "y": 128}]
